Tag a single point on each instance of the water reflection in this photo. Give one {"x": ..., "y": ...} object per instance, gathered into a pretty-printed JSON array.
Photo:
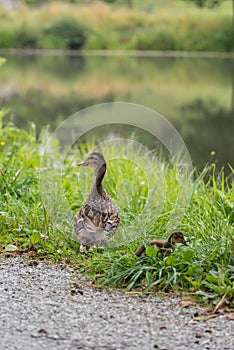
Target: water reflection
[
  {"x": 48, "y": 89},
  {"x": 209, "y": 126}
]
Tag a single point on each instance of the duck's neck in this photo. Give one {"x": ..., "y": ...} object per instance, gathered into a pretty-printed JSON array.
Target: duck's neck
[
  {"x": 170, "y": 242},
  {"x": 98, "y": 178}
]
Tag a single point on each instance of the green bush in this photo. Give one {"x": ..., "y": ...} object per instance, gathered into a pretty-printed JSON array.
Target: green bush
[
  {"x": 19, "y": 35},
  {"x": 66, "y": 33},
  {"x": 155, "y": 39},
  {"x": 27, "y": 37},
  {"x": 8, "y": 37},
  {"x": 100, "y": 41},
  {"x": 224, "y": 39}
]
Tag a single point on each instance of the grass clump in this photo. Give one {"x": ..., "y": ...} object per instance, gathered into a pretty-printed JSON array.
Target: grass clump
[
  {"x": 205, "y": 268},
  {"x": 146, "y": 202},
  {"x": 24, "y": 223}
]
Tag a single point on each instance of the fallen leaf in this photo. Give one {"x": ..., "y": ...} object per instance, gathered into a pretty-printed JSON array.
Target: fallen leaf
[
  {"x": 10, "y": 248},
  {"x": 230, "y": 316},
  {"x": 220, "y": 305},
  {"x": 205, "y": 317},
  {"x": 192, "y": 322},
  {"x": 186, "y": 303}
]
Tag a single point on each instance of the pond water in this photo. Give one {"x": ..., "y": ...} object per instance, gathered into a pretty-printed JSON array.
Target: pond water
[{"x": 195, "y": 94}]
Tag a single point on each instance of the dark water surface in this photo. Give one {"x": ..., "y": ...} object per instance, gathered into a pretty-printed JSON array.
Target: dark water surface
[{"x": 195, "y": 94}]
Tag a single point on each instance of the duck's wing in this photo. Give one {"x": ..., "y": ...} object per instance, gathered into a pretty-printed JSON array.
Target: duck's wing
[{"x": 99, "y": 214}]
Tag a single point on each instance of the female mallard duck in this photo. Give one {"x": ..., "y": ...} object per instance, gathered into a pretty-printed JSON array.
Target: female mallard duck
[
  {"x": 164, "y": 246},
  {"x": 98, "y": 219}
]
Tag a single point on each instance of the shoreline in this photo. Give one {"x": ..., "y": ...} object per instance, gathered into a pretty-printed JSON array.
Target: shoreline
[{"x": 118, "y": 53}]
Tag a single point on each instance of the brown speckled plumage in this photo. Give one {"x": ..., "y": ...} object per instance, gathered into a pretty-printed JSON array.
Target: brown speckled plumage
[
  {"x": 164, "y": 247},
  {"x": 98, "y": 219}
]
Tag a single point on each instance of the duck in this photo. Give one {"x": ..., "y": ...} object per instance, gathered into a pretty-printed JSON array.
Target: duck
[
  {"x": 164, "y": 247},
  {"x": 98, "y": 219}
]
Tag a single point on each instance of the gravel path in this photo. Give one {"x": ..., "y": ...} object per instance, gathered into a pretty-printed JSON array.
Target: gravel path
[{"x": 40, "y": 308}]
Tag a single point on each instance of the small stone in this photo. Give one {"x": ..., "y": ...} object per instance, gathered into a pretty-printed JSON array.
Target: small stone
[{"x": 197, "y": 335}]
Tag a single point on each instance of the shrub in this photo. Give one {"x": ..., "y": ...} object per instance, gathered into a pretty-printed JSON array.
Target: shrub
[
  {"x": 8, "y": 37},
  {"x": 155, "y": 39},
  {"x": 67, "y": 33},
  {"x": 100, "y": 41},
  {"x": 224, "y": 39},
  {"x": 27, "y": 37}
]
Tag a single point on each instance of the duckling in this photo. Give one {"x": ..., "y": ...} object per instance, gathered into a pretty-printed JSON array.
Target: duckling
[
  {"x": 98, "y": 219},
  {"x": 164, "y": 247}
]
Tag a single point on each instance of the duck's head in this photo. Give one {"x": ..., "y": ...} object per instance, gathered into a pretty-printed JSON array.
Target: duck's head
[
  {"x": 95, "y": 160},
  {"x": 177, "y": 237}
]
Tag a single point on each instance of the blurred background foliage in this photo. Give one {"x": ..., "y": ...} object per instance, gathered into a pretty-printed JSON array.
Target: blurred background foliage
[{"x": 117, "y": 24}]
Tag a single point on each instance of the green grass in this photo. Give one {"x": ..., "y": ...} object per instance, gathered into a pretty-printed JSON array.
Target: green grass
[
  {"x": 173, "y": 25},
  {"x": 145, "y": 201}
]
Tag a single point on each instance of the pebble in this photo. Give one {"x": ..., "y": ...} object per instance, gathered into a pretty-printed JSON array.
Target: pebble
[{"x": 42, "y": 308}]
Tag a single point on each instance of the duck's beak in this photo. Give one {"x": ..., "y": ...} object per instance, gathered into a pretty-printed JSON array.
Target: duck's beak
[
  {"x": 82, "y": 164},
  {"x": 185, "y": 243}
]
